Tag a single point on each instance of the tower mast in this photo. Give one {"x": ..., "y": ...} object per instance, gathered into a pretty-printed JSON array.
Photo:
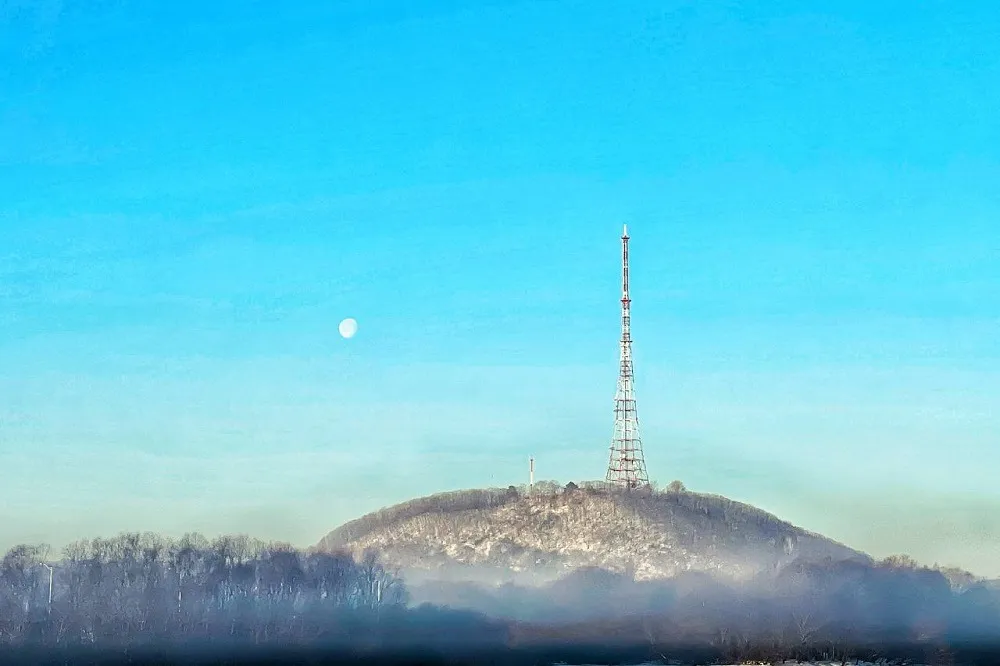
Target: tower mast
[{"x": 626, "y": 467}]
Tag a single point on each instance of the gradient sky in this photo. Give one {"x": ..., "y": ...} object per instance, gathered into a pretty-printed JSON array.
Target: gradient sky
[{"x": 192, "y": 195}]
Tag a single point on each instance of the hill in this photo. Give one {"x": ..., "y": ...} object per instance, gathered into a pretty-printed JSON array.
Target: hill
[{"x": 511, "y": 535}]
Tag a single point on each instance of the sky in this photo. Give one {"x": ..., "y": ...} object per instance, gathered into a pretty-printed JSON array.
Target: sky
[{"x": 193, "y": 195}]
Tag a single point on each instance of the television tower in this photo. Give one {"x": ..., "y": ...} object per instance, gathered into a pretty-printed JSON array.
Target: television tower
[{"x": 626, "y": 468}]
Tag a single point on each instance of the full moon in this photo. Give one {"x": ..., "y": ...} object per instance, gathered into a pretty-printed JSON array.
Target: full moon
[{"x": 348, "y": 328}]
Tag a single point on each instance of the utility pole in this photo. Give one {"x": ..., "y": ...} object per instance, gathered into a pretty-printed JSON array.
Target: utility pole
[
  {"x": 51, "y": 574},
  {"x": 626, "y": 467}
]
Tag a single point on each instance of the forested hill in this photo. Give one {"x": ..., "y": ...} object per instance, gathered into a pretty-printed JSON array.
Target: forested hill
[{"x": 513, "y": 534}]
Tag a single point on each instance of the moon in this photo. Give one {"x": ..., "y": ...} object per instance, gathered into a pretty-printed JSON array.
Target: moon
[{"x": 348, "y": 328}]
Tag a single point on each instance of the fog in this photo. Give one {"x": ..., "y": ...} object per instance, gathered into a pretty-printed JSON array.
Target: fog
[
  {"x": 804, "y": 610},
  {"x": 142, "y": 591}
]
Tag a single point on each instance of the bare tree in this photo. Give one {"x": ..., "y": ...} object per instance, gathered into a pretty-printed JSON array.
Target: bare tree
[{"x": 899, "y": 562}]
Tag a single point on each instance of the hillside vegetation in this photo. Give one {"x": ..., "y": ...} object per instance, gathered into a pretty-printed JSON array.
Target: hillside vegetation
[{"x": 514, "y": 534}]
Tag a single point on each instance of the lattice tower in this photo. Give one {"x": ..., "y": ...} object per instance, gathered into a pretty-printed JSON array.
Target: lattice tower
[{"x": 626, "y": 467}]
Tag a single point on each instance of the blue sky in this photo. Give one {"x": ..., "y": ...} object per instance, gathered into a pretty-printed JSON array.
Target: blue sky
[{"x": 192, "y": 197}]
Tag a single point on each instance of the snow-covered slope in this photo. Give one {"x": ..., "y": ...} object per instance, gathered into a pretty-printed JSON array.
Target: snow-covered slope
[{"x": 513, "y": 535}]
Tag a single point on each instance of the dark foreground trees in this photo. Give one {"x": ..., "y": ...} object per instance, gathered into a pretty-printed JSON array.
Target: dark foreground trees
[
  {"x": 142, "y": 587},
  {"x": 808, "y": 611}
]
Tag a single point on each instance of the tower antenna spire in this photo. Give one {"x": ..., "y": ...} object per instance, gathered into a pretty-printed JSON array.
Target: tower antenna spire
[{"x": 626, "y": 467}]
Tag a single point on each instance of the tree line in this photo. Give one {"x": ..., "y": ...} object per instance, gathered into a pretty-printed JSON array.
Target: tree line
[
  {"x": 144, "y": 587},
  {"x": 829, "y": 610}
]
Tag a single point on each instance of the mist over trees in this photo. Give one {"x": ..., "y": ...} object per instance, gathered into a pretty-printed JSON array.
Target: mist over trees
[
  {"x": 145, "y": 588},
  {"x": 808, "y": 610}
]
